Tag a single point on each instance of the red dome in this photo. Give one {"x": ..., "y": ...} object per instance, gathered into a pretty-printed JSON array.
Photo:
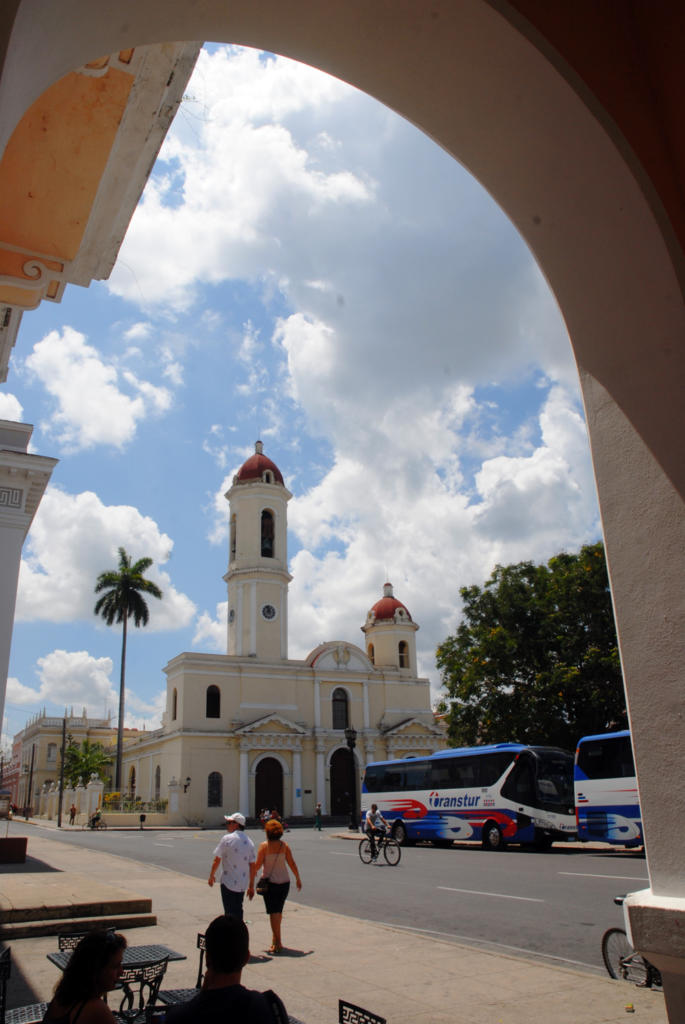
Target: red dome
[
  {"x": 255, "y": 467},
  {"x": 388, "y": 605}
]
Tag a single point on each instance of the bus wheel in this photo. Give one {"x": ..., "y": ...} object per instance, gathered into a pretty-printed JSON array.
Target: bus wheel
[
  {"x": 492, "y": 837},
  {"x": 399, "y": 834}
]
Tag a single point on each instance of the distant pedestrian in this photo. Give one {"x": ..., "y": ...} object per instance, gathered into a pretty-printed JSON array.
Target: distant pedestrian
[
  {"x": 317, "y": 817},
  {"x": 72, "y": 814},
  {"x": 236, "y": 855},
  {"x": 274, "y": 858}
]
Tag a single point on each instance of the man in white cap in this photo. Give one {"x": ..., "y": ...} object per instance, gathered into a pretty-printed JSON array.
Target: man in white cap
[{"x": 236, "y": 854}]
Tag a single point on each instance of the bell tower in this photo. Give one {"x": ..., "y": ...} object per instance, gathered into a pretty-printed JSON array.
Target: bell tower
[
  {"x": 391, "y": 634},
  {"x": 257, "y": 575}
]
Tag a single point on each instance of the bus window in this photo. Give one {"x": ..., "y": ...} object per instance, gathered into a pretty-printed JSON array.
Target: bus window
[
  {"x": 417, "y": 775},
  {"x": 520, "y": 785},
  {"x": 608, "y": 758}
]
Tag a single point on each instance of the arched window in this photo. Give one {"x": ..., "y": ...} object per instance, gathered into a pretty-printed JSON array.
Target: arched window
[
  {"x": 215, "y": 789},
  {"x": 132, "y": 782},
  {"x": 340, "y": 715},
  {"x": 234, "y": 540},
  {"x": 371, "y": 653},
  {"x": 267, "y": 534},
  {"x": 213, "y": 702},
  {"x": 404, "y": 654},
  {"x": 174, "y": 705},
  {"x": 52, "y": 752},
  {"x": 158, "y": 782}
]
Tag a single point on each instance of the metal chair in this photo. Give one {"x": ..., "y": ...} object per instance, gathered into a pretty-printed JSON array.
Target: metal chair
[
  {"x": 140, "y": 984},
  {"x": 31, "y": 1014},
  {"x": 348, "y": 1013},
  {"x": 66, "y": 942},
  {"x": 172, "y": 996}
]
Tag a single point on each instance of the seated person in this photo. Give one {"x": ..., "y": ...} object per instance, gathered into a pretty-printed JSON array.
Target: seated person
[
  {"x": 94, "y": 968},
  {"x": 222, "y": 997},
  {"x": 374, "y": 825}
]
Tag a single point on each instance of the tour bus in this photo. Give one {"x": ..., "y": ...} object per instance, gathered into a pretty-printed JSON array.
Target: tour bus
[
  {"x": 499, "y": 794},
  {"x": 607, "y": 804}
]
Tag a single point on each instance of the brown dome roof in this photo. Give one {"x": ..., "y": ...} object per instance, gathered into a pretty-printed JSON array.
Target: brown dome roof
[{"x": 255, "y": 467}]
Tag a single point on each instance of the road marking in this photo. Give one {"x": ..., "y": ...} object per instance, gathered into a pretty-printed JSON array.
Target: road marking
[
  {"x": 620, "y": 878},
  {"x": 501, "y": 895},
  {"x": 164, "y": 844},
  {"x": 339, "y": 853}
]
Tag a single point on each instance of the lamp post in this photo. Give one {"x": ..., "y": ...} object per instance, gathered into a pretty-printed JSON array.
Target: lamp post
[{"x": 351, "y": 740}]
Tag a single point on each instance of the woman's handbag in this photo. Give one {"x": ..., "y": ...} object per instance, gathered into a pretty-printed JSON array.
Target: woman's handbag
[{"x": 262, "y": 886}]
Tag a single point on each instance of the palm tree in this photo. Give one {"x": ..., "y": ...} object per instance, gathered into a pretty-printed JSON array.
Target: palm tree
[
  {"x": 122, "y": 601},
  {"x": 80, "y": 762}
]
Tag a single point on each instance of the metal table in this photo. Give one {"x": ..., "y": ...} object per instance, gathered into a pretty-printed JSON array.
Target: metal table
[{"x": 134, "y": 956}]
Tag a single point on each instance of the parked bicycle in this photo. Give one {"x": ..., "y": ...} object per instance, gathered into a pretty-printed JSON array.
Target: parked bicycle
[
  {"x": 623, "y": 963},
  {"x": 390, "y": 849}
]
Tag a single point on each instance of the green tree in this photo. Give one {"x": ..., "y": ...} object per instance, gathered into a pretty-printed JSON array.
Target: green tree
[
  {"x": 80, "y": 762},
  {"x": 121, "y": 601},
  {"x": 535, "y": 657}
]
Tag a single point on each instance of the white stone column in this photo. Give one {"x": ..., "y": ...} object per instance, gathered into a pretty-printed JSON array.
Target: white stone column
[
  {"x": 644, "y": 530},
  {"x": 244, "y": 783},
  {"x": 321, "y": 796},
  {"x": 317, "y": 704},
  {"x": 365, "y": 691},
  {"x": 297, "y": 783},
  {"x": 174, "y": 815},
  {"x": 23, "y": 479},
  {"x": 253, "y": 617}
]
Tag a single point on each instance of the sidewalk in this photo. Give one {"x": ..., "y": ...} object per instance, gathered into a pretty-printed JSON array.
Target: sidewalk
[{"x": 403, "y": 976}]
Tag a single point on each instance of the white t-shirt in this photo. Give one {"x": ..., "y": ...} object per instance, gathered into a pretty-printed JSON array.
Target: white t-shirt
[{"x": 237, "y": 852}]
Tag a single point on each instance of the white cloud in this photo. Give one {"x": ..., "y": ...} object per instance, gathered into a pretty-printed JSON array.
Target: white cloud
[
  {"x": 75, "y": 537},
  {"x": 77, "y": 679},
  {"x": 10, "y": 407},
  {"x": 402, "y": 294},
  {"x": 90, "y": 406},
  {"x": 17, "y": 693},
  {"x": 212, "y": 632}
]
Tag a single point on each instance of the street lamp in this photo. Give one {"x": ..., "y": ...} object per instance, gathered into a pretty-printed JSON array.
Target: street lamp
[
  {"x": 351, "y": 740},
  {"x": 186, "y": 784}
]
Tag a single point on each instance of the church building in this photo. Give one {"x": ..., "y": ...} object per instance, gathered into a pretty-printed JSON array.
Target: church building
[{"x": 253, "y": 729}]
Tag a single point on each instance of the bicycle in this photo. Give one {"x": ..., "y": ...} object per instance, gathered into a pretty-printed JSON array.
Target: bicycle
[
  {"x": 390, "y": 847},
  {"x": 623, "y": 963},
  {"x": 97, "y": 823}
]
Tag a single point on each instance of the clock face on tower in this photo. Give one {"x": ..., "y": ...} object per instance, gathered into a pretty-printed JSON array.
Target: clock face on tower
[{"x": 268, "y": 612}]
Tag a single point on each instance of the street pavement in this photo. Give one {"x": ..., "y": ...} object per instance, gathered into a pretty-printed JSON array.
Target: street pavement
[{"x": 401, "y": 975}]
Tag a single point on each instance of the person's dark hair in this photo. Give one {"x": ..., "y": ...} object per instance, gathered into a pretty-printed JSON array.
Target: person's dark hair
[
  {"x": 82, "y": 975},
  {"x": 228, "y": 944}
]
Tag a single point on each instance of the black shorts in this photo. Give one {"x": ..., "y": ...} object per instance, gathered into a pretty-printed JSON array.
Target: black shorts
[{"x": 276, "y": 896}]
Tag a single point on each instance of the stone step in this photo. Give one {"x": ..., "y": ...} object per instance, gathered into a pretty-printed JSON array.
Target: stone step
[
  {"x": 55, "y": 926},
  {"x": 87, "y": 909}
]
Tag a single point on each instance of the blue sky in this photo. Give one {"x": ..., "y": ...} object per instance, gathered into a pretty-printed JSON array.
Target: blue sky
[{"x": 307, "y": 268}]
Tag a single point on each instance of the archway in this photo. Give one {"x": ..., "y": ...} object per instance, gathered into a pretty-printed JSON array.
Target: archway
[
  {"x": 269, "y": 786},
  {"x": 343, "y": 781},
  {"x": 595, "y": 215}
]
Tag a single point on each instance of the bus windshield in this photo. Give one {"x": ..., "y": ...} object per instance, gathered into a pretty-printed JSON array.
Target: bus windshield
[{"x": 554, "y": 778}]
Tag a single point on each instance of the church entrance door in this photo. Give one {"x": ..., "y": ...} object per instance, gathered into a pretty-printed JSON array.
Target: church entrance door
[
  {"x": 343, "y": 781},
  {"x": 269, "y": 786}
]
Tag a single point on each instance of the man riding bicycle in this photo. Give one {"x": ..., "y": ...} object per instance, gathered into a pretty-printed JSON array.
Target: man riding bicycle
[{"x": 374, "y": 825}]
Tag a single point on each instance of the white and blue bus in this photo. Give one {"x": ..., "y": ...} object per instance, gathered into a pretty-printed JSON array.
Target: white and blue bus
[
  {"x": 505, "y": 793},
  {"x": 607, "y": 803}
]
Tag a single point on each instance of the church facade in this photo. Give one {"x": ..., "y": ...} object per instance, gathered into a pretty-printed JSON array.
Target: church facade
[{"x": 252, "y": 728}]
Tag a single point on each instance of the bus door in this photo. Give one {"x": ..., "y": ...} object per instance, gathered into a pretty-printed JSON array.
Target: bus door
[{"x": 520, "y": 789}]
